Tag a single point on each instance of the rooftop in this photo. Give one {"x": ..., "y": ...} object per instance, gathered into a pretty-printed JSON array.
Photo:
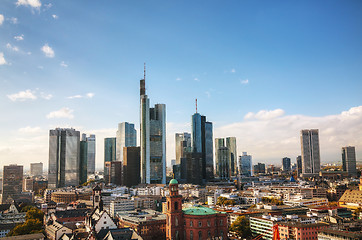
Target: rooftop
[{"x": 199, "y": 210}]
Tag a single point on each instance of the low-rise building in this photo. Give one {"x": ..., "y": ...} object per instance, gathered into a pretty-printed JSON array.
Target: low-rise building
[{"x": 300, "y": 231}]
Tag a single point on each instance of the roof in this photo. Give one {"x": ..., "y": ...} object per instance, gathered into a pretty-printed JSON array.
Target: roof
[
  {"x": 25, "y": 237},
  {"x": 355, "y": 235},
  {"x": 199, "y": 210},
  {"x": 173, "y": 181},
  {"x": 351, "y": 196}
]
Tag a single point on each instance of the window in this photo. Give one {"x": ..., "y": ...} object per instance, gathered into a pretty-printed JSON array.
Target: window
[
  {"x": 168, "y": 205},
  {"x": 200, "y": 224},
  {"x": 208, "y": 234},
  {"x": 221, "y": 233},
  {"x": 176, "y": 221},
  {"x": 191, "y": 224},
  {"x": 200, "y": 235},
  {"x": 220, "y": 222},
  {"x": 208, "y": 223},
  {"x": 191, "y": 235},
  {"x": 176, "y": 205}
]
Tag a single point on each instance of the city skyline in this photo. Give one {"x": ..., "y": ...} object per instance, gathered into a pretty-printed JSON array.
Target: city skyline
[{"x": 260, "y": 72}]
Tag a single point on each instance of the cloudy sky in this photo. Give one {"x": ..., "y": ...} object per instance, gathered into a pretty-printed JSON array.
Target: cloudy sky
[{"x": 261, "y": 71}]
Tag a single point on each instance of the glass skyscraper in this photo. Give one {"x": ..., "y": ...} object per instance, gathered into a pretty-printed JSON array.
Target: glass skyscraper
[
  {"x": 126, "y": 137},
  {"x": 64, "y": 162},
  {"x": 153, "y": 139},
  {"x": 245, "y": 165},
  {"x": 91, "y": 152},
  {"x": 109, "y": 156},
  {"x": 231, "y": 145},
  {"x": 349, "y": 160},
  {"x": 310, "y": 152},
  {"x": 183, "y": 145}
]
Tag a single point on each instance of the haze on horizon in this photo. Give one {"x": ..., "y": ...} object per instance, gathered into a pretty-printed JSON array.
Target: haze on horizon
[{"x": 261, "y": 72}]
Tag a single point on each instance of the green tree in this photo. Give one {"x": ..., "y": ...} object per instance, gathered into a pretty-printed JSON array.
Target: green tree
[
  {"x": 241, "y": 227},
  {"x": 221, "y": 201},
  {"x": 33, "y": 222}
]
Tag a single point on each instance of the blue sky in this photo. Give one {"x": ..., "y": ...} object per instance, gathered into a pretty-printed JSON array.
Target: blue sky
[{"x": 78, "y": 64}]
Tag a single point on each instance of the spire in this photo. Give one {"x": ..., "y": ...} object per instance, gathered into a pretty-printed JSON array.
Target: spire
[
  {"x": 144, "y": 71},
  {"x": 196, "y": 104}
]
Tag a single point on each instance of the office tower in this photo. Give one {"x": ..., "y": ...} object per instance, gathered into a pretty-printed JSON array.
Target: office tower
[
  {"x": 91, "y": 152},
  {"x": 64, "y": 147},
  {"x": 36, "y": 169},
  {"x": 245, "y": 165},
  {"x": 219, "y": 142},
  {"x": 202, "y": 142},
  {"x": 349, "y": 160},
  {"x": 109, "y": 156},
  {"x": 83, "y": 161},
  {"x": 183, "y": 145},
  {"x": 259, "y": 168},
  {"x": 299, "y": 165},
  {"x": 309, "y": 139},
  {"x": 193, "y": 166},
  {"x": 223, "y": 162},
  {"x": 153, "y": 139},
  {"x": 131, "y": 166},
  {"x": 126, "y": 137},
  {"x": 12, "y": 183},
  {"x": 286, "y": 164},
  {"x": 231, "y": 145}
]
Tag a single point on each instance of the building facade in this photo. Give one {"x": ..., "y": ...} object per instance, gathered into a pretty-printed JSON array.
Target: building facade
[
  {"x": 126, "y": 137},
  {"x": 91, "y": 152},
  {"x": 231, "y": 145},
  {"x": 286, "y": 164},
  {"x": 64, "y": 147},
  {"x": 309, "y": 139},
  {"x": 12, "y": 183},
  {"x": 109, "y": 156},
  {"x": 246, "y": 165},
  {"x": 36, "y": 169},
  {"x": 299, "y": 165},
  {"x": 349, "y": 160},
  {"x": 183, "y": 145},
  {"x": 153, "y": 139},
  {"x": 131, "y": 166}
]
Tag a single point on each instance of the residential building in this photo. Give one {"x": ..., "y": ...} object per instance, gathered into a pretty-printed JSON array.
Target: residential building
[
  {"x": 64, "y": 148},
  {"x": 12, "y": 185},
  {"x": 349, "y": 160},
  {"x": 300, "y": 231},
  {"x": 153, "y": 139},
  {"x": 36, "y": 169},
  {"x": 246, "y": 165},
  {"x": 309, "y": 139},
  {"x": 131, "y": 166}
]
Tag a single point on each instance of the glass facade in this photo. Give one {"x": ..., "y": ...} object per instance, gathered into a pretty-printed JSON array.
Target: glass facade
[
  {"x": 310, "y": 152},
  {"x": 83, "y": 156},
  {"x": 126, "y": 137},
  {"x": 246, "y": 165},
  {"x": 231, "y": 145}
]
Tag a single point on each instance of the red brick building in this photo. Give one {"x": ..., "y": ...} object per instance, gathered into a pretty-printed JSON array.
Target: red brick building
[{"x": 196, "y": 222}]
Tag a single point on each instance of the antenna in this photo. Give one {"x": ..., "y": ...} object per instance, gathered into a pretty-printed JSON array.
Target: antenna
[
  {"x": 144, "y": 71},
  {"x": 196, "y": 104}
]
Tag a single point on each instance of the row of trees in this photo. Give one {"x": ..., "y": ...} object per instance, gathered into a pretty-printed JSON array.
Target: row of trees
[
  {"x": 33, "y": 222},
  {"x": 222, "y": 201},
  {"x": 273, "y": 201}
]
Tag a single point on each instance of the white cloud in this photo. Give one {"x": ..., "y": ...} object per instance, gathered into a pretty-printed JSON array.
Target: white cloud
[
  {"x": 22, "y": 96},
  {"x": 270, "y": 139},
  {"x": 30, "y": 3},
  {"x": 1, "y": 19},
  {"x": 264, "y": 114},
  {"x": 47, "y": 6},
  {"x": 233, "y": 70},
  {"x": 88, "y": 95},
  {"x": 196, "y": 79},
  {"x": 19, "y": 38},
  {"x": 55, "y": 16},
  {"x": 13, "y": 20},
  {"x": 61, "y": 113},
  {"x": 48, "y": 51},
  {"x": 13, "y": 48},
  {"x": 46, "y": 96},
  {"x": 246, "y": 81},
  {"x": 29, "y": 129},
  {"x": 63, "y": 64},
  {"x": 178, "y": 79},
  {"x": 2, "y": 59}
]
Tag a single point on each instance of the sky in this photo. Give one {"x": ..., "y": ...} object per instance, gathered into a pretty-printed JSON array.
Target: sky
[{"x": 260, "y": 70}]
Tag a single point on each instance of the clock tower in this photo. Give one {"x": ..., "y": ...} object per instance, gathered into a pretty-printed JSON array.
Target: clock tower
[{"x": 174, "y": 214}]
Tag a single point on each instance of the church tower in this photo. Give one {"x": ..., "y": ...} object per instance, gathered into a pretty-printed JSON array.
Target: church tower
[
  {"x": 97, "y": 198},
  {"x": 174, "y": 220}
]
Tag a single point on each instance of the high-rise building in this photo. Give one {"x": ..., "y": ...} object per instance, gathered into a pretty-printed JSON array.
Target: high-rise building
[
  {"x": 131, "y": 166},
  {"x": 259, "y": 168},
  {"x": 219, "y": 142},
  {"x": 64, "y": 147},
  {"x": 246, "y": 165},
  {"x": 231, "y": 145},
  {"x": 299, "y": 165},
  {"x": 193, "y": 168},
  {"x": 286, "y": 164},
  {"x": 12, "y": 183},
  {"x": 153, "y": 139},
  {"x": 223, "y": 162},
  {"x": 202, "y": 142},
  {"x": 91, "y": 152},
  {"x": 349, "y": 160},
  {"x": 309, "y": 139},
  {"x": 126, "y": 137},
  {"x": 109, "y": 156},
  {"x": 183, "y": 145},
  {"x": 36, "y": 169},
  {"x": 83, "y": 161}
]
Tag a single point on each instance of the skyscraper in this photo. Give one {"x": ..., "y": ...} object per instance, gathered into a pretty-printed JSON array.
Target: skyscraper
[
  {"x": 109, "y": 156},
  {"x": 299, "y": 165},
  {"x": 246, "y": 165},
  {"x": 309, "y": 139},
  {"x": 64, "y": 147},
  {"x": 126, "y": 137},
  {"x": 83, "y": 161},
  {"x": 36, "y": 169},
  {"x": 153, "y": 139},
  {"x": 223, "y": 162},
  {"x": 12, "y": 183},
  {"x": 91, "y": 152},
  {"x": 349, "y": 160},
  {"x": 131, "y": 166},
  {"x": 231, "y": 145},
  {"x": 183, "y": 145},
  {"x": 286, "y": 164},
  {"x": 202, "y": 142},
  {"x": 219, "y": 142}
]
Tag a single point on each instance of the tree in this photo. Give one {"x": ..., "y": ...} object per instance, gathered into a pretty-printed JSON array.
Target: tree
[
  {"x": 241, "y": 227},
  {"x": 33, "y": 222},
  {"x": 221, "y": 201}
]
